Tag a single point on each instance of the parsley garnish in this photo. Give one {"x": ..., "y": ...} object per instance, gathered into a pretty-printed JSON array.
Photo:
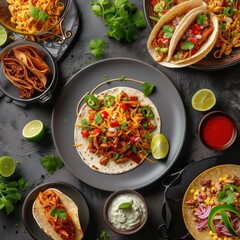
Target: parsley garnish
[
  {"x": 147, "y": 88},
  {"x": 201, "y": 18},
  {"x": 60, "y": 213},
  {"x": 97, "y": 47},
  {"x": 51, "y": 163},
  {"x": 187, "y": 45},
  {"x": 121, "y": 17},
  {"x": 168, "y": 31},
  {"x": 38, "y": 14}
]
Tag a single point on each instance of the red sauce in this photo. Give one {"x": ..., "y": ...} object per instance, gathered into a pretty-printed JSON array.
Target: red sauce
[{"x": 218, "y": 131}]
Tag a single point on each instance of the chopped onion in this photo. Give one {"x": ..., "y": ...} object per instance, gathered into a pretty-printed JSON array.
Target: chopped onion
[
  {"x": 200, "y": 198},
  {"x": 202, "y": 225},
  {"x": 112, "y": 129},
  {"x": 204, "y": 212}
]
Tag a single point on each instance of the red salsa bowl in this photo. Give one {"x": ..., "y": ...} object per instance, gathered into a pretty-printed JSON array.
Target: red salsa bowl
[{"x": 217, "y": 130}]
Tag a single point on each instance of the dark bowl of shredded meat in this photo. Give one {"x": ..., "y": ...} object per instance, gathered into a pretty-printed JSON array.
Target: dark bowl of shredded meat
[{"x": 28, "y": 72}]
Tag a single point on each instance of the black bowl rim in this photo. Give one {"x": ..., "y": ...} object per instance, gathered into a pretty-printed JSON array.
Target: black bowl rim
[
  {"x": 108, "y": 201},
  {"x": 48, "y": 54},
  {"x": 46, "y": 30},
  {"x": 210, "y": 115}
]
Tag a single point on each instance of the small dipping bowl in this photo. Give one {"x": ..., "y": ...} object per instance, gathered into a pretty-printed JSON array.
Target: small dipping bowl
[
  {"x": 10, "y": 90},
  {"x": 217, "y": 130},
  {"x": 125, "y": 212}
]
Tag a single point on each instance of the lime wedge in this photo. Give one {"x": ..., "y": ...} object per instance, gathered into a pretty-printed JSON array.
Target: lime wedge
[
  {"x": 203, "y": 100},
  {"x": 7, "y": 166},
  {"x": 33, "y": 131},
  {"x": 3, "y": 35},
  {"x": 159, "y": 146}
]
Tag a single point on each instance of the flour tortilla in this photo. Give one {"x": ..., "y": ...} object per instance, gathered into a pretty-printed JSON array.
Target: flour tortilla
[
  {"x": 91, "y": 159},
  {"x": 71, "y": 208},
  {"x": 214, "y": 174},
  {"x": 204, "y": 49},
  {"x": 176, "y": 11}
]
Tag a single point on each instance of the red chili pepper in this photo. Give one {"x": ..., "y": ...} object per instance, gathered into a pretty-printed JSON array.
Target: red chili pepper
[
  {"x": 133, "y": 98},
  {"x": 104, "y": 114},
  {"x": 134, "y": 139},
  {"x": 153, "y": 2},
  {"x": 124, "y": 106},
  {"x": 193, "y": 40},
  {"x": 114, "y": 124},
  {"x": 135, "y": 158},
  {"x": 97, "y": 131},
  {"x": 86, "y": 133},
  {"x": 91, "y": 117}
]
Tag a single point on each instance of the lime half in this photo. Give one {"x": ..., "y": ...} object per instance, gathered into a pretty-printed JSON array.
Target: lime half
[
  {"x": 3, "y": 35},
  {"x": 7, "y": 166},
  {"x": 203, "y": 100},
  {"x": 159, "y": 146},
  {"x": 33, "y": 131}
]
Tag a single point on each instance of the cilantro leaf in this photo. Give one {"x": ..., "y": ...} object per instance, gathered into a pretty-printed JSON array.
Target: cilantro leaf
[
  {"x": 187, "y": 45},
  {"x": 103, "y": 236},
  {"x": 228, "y": 11},
  {"x": 168, "y": 31},
  {"x": 138, "y": 20},
  {"x": 147, "y": 88},
  {"x": 85, "y": 123},
  {"x": 23, "y": 184},
  {"x": 223, "y": 26},
  {"x": 227, "y": 197},
  {"x": 97, "y": 47},
  {"x": 98, "y": 118},
  {"x": 38, "y": 14},
  {"x": 201, "y": 18},
  {"x": 60, "y": 213},
  {"x": 51, "y": 163}
]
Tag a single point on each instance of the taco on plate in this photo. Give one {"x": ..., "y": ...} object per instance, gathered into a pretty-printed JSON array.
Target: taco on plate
[
  {"x": 161, "y": 36},
  {"x": 57, "y": 215},
  {"x": 114, "y": 129},
  {"x": 211, "y": 204}
]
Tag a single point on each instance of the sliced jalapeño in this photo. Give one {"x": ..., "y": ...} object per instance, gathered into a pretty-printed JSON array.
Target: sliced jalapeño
[{"x": 92, "y": 101}]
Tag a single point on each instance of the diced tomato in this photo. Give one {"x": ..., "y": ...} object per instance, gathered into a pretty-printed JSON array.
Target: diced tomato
[
  {"x": 193, "y": 40},
  {"x": 124, "y": 106},
  {"x": 196, "y": 32},
  {"x": 196, "y": 27},
  {"x": 130, "y": 126},
  {"x": 133, "y": 98},
  {"x": 86, "y": 133},
  {"x": 114, "y": 124},
  {"x": 104, "y": 114},
  {"x": 97, "y": 131},
  {"x": 165, "y": 11},
  {"x": 135, "y": 158},
  {"x": 134, "y": 139},
  {"x": 91, "y": 117},
  {"x": 175, "y": 2},
  {"x": 153, "y": 2}
]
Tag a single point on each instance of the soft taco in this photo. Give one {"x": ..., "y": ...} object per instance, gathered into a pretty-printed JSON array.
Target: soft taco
[
  {"x": 57, "y": 215},
  {"x": 114, "y": 136},
  {"x": 210, "y": 207},
  {"x": 163, "y": 32},
  {"x": 194, "y": 39}
]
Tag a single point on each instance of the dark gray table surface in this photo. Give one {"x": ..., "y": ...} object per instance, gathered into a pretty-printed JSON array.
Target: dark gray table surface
[{"x": 224, "y": 83}]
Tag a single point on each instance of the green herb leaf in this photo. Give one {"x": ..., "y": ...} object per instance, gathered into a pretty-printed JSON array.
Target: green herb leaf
[
  {"x": 51, "y": 163},
  {"x": 228, "y": 11},
  {"x": 201, "y": 18},
  {"x": 23, "y": 184},
  {"x": 124, "y": 124},
  {"x": 97, "y": 47},
  {"x": 147, "y": 88},
  {"x": 116, "y": 156},
  {"x": 38, "y": 14},
  {"x": 187, "y": 45},
  {"x": 98, "y": 118},
  {"x": 125, "y": 205},
  {"x": 223, "y": 26},
  {"x": 103, "y": 236},
  {"x": 60, "y": 213},
  {"x": 138, "y": 20},
  {"x": 168, "y": 31},
  {"x": 227, "y": 197},
  {"x": 85, "y": 123}
]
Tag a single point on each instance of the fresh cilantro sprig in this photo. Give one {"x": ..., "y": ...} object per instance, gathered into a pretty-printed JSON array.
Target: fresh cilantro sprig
[
  {"x": 187, "y": 45},
  {"x": 97, "y": 47},
  {"x": 103, "y": 236},
  {"x": 51, "y": 163},
  {"x": 38, "y": 14},
  {"x": 60, "y": 213},
  {"x": 227, "y": 197},
  {"x": 168, "y": 31},
  {"x": 147, "y": 88},
  {"x": 201, "y": 18},
  {"x": 122, "y": 18},
  {"x": 10, "y": 193}
]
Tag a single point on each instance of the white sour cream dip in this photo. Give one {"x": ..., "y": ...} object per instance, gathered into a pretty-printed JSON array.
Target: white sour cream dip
[{"x": 127, "y": 218}]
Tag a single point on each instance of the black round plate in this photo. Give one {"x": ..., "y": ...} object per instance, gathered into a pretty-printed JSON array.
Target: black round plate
[{"x": 72, "y": 192}]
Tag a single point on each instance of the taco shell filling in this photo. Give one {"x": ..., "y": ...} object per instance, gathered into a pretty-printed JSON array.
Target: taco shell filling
[
  {"x": 211, "y": 204},
  {"x": 57, "y": 215}
]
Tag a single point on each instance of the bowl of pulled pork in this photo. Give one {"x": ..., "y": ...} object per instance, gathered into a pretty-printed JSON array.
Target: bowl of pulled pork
[{"x": 28, "y": 72}]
